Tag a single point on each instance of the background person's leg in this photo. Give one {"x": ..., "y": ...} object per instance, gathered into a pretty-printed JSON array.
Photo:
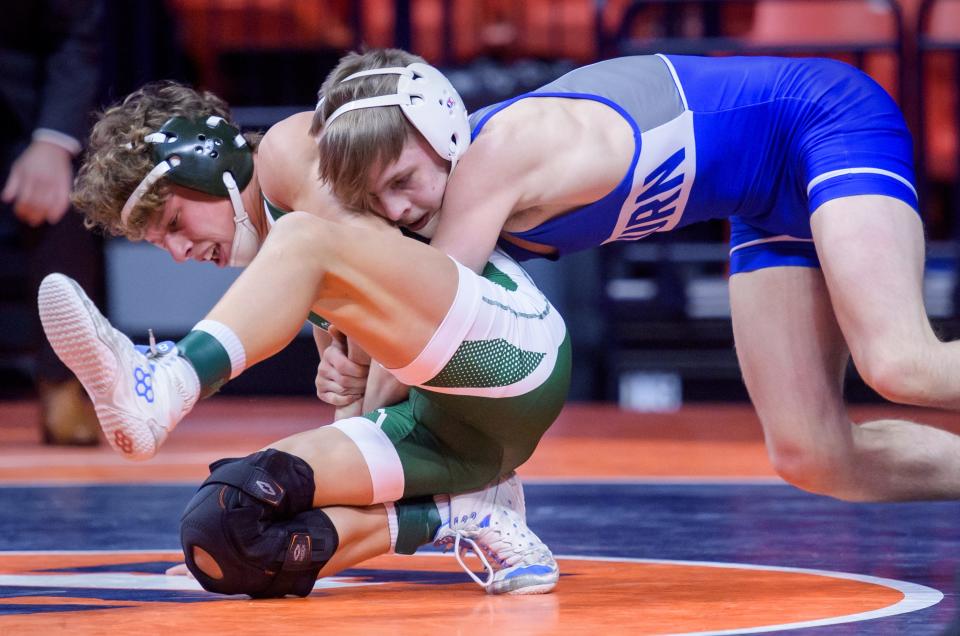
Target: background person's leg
[
  {"x": 67, "y": 416},
  {"x": 66, "y": 412}
]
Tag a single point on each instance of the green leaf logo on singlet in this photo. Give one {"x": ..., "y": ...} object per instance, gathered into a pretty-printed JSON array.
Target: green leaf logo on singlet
[
  {"x": 486, "y": 363},
  {"x": 494, "y": 275}
]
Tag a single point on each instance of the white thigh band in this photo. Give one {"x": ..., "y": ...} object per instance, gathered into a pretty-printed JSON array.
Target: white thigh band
[
  {"x": 383, "y": 462},
  {"x": 449, "y": 335}
]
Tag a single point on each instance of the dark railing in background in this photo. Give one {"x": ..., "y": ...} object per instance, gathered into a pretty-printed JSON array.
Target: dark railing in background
[
  {"x": 938, "y": 110},
  {"x": 834, "y": 28},
  {"x": 275, "y": 52}
]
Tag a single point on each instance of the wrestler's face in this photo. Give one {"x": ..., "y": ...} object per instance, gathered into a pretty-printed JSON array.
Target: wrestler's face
[
  {"x": 409, "y": 191},
  {"x": 194, "y": 226}
]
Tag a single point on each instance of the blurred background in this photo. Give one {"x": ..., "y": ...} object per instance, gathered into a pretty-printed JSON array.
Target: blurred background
[{"x": 650, "y": 320}]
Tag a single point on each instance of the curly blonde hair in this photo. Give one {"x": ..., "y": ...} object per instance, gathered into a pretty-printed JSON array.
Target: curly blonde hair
[
  {"x": 117, "y": 158},
  {"x": 361, "y": 140}
]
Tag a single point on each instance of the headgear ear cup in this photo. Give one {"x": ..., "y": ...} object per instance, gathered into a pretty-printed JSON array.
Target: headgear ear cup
[{"x": 429, "y": 102}]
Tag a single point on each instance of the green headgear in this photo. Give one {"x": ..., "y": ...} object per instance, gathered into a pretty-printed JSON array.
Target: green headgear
[
  {"x": 207, "y": 148},
  {"x": 210, "y": 156}
]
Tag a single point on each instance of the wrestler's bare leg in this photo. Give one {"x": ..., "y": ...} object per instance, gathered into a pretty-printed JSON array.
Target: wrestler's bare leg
[
  {"x": 387, "y": 293},
  {"x": 792, "y": 326}
]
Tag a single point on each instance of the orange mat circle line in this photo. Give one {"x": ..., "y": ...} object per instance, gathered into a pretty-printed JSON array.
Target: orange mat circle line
[
  {"x": 626, "y": 480},
  {"x": 915, "y": 596}
]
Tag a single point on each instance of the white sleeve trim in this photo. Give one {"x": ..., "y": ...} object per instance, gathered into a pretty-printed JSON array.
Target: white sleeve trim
[{"x": 58, "y": 138}]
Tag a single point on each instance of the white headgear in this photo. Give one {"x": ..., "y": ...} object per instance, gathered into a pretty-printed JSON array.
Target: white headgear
[{"x": 428, "y": 100}]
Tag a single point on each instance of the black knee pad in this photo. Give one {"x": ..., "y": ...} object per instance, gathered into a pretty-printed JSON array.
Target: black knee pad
[
  {"x": 253, "y": 517},
  {"x": 281, "y": 481}
]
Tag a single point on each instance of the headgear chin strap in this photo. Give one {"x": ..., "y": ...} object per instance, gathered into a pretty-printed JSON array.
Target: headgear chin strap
[
  {"x": 428, "y": 100},
  {"x": 246, "y": 241},
  {"x": 210, "y": 156}
]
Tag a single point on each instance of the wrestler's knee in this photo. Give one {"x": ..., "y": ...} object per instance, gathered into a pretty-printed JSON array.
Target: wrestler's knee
[
  {"x": 814, "y": 468},
  {"x": 236, "y": 553},
  {"x": 895, "y": 370},
  {"x": 250, "y": 529},
  {"x": 333, "y": 453}
]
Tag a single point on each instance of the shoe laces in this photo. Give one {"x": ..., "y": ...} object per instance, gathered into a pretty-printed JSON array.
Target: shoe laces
[
  {"x": 459, "y": 550},
  {"x": 495, "y": 544},
  {"x": 156, "y": 352},
  {"x": 164, "y": 355}
]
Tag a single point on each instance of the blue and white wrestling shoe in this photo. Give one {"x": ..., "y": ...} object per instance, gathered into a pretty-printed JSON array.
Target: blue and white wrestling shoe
[
  {"x": 492, "y": 524},
  {"x": 139, "y": 396}
]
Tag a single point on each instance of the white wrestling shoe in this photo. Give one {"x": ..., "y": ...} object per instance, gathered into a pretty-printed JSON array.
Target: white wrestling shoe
[
  {"x": 492, "y": 523},
  {"x": 139, "y": 398}
]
